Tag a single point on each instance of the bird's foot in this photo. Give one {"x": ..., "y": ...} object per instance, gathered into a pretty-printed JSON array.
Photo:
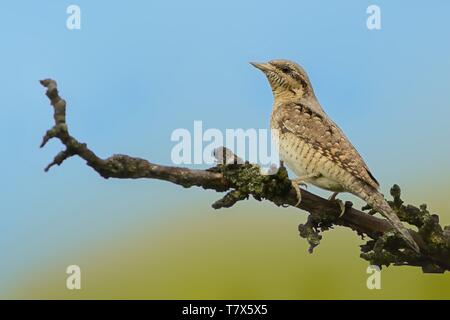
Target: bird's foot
[
  {"x": 341, "y": 206},
  {"x": 296, "y": 183},
  {"x": 339, "y": 201}
]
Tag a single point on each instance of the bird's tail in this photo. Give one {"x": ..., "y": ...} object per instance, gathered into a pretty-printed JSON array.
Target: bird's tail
[{"x": 376, "y": 201}]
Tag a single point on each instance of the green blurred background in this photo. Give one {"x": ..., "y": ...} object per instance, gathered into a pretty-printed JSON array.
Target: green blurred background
[{"x": 251, "y": 251}]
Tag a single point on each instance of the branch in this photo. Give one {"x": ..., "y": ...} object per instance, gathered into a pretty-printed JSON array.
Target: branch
[{"x": 244, "y": 179}]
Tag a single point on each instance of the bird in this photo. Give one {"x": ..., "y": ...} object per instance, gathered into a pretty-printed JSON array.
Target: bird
[{"x": 315, "y": 148}]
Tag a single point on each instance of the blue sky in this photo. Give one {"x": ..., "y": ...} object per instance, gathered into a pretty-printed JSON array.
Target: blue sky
[{"x": 137, "y": 70}]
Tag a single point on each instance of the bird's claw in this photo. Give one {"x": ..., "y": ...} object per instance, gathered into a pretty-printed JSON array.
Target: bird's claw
[
  {"x": 339, "y": 201},
  {"x": 296, "y": 185},
  {"x": 341, "y": 206}
]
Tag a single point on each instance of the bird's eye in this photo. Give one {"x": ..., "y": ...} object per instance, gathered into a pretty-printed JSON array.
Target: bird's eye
[{"x": 285, "y": 69}]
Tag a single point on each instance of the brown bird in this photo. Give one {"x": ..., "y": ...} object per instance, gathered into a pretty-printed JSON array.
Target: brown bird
[{"x": 315, "y": 148}]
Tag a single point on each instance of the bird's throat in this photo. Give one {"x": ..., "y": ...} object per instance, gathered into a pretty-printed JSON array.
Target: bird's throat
[{"x": 285, "y": 95}]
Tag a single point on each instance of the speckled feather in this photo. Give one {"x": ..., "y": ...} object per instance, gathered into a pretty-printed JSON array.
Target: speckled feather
[{"x": 321, "y": 134}]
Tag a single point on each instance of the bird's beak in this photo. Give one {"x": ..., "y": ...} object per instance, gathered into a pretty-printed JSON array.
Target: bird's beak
[{"x": 264, "y": 67}]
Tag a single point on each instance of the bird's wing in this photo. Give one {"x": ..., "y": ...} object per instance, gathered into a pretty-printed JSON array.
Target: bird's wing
[{"x": 318, "y": 130}]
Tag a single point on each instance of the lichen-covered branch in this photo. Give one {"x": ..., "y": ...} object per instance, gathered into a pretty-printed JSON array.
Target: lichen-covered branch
[{"x": 244, "y": 179}]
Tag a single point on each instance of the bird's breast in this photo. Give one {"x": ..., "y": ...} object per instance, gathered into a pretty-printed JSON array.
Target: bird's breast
[
  {"x": 295, "y": 153},
  {"x": 304, "y": 159}
]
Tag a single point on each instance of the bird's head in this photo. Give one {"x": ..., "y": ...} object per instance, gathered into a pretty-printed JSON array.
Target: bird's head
[{"x": 286, "y": 78}]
